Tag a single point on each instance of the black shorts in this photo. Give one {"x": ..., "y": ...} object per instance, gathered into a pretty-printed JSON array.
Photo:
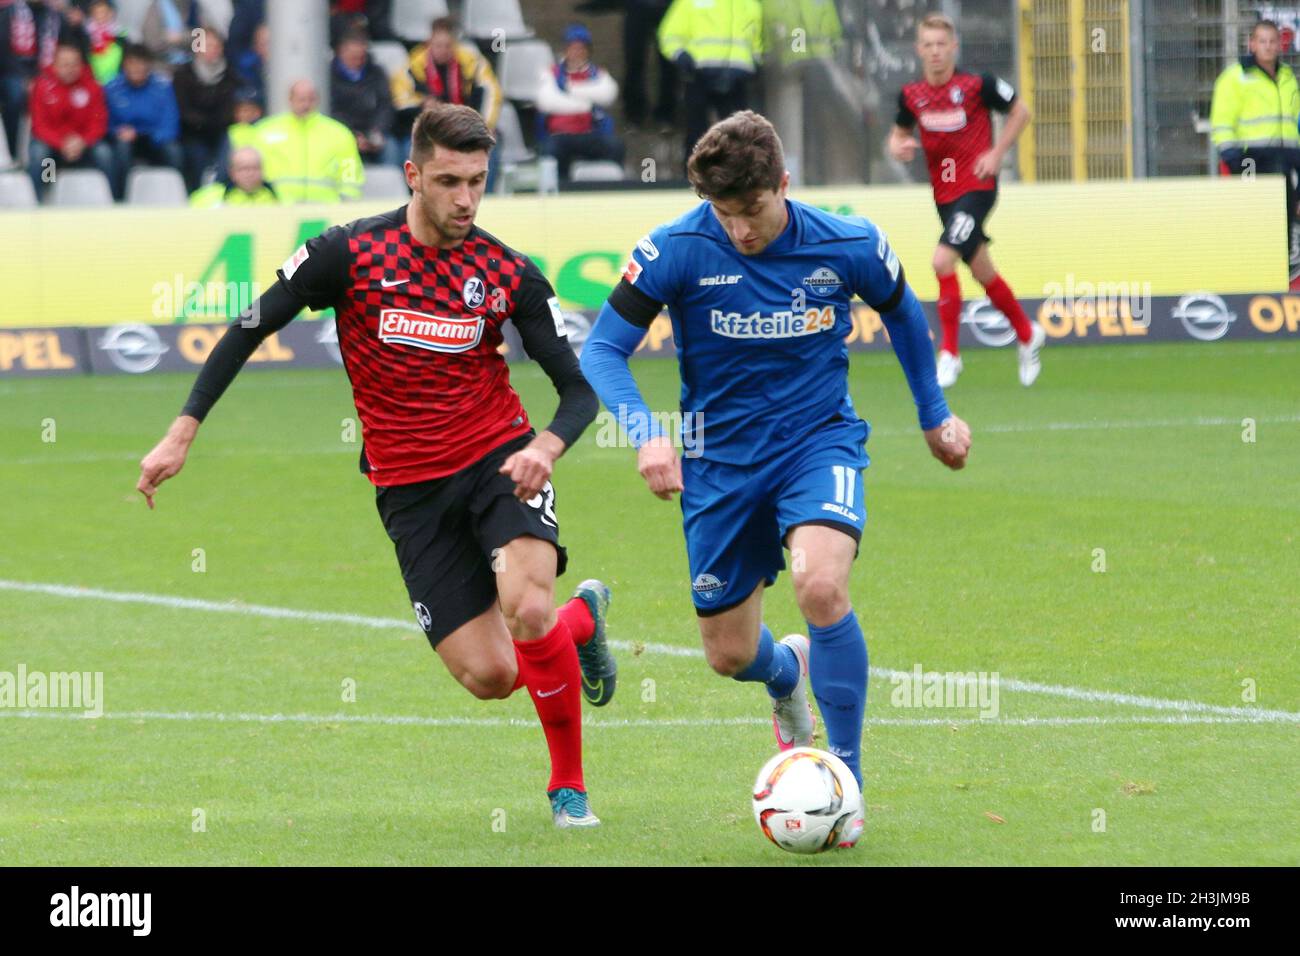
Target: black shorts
[
  {"x": 963, "y": 221},
  {"x": 448, "y": 530}
]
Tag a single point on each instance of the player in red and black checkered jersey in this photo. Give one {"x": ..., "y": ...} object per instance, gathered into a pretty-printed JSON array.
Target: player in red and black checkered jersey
[
  {"x": 952, "y": 110},
  {"x": 462, "y": 480}
]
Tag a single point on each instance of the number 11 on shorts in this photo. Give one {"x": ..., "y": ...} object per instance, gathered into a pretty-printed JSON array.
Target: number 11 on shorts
[{"x": 845, "y": 484}]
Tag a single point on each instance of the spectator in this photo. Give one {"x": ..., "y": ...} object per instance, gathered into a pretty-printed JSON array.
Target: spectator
[
  {"x": 245, "y": 18},
  {"x": 17, "y": 60},
  {"x": 246, "y": 187},
  {"x": 168, "y": 31},
  {"x": 105, "y": 39},
  {"x": 250, "y": 67},
  {"x": 372, "y": 17},
  {"x": 639, "y": 25},
  {"x": 246, "y": 112},
  {"x": 205, "y": 92},
  {"x": 572, "y": 98},
  {"x": 716, "y": 45},
  {"x": 306, "y": 156},
  {"x": 361, "y": 100},
  {"x": 446, "y": 71},
  {"x": 1253, "y": 119},
  {"x": 69, "y": 118},
  {"x": 143, "y": 120}
]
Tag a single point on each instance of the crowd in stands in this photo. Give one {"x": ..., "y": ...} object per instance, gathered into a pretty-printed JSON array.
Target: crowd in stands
[{"x": 187, "y": 91}]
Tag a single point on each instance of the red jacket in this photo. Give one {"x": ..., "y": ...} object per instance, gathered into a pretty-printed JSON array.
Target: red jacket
[{"x": 59, "y": 111}]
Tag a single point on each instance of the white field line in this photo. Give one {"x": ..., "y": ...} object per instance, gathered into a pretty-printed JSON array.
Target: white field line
[
  {"x": 648, "y": 722},
  {"x": 881, "y": 673},
  {"x": 883, "y": 432}
]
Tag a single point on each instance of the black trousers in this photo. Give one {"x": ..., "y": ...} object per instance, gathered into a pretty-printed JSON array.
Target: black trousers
[
  {"x": 640, "y": 25},
  {"x": 717, "y": 92}
]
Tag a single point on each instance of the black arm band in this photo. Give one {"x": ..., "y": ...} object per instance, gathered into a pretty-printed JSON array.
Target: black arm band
[
  {"x": 890, "y": 304},
  {"x": 578, "y": 402},
  {"x": 634, "y": 305},
  {"x": 274, "y": 309}
]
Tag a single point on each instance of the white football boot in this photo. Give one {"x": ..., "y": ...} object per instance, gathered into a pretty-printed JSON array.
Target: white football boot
[
  {"x": 949, "y": 368},
  {"x": 852, "y": 831},
  {"x": 792, "y": 717},
  {"x": 1030, "y": 361}
]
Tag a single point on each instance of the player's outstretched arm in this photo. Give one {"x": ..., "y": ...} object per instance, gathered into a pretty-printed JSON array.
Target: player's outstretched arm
[
  {"x": 270, "y": 313},
  {"x": 612, "y": 341},
  {"x": 909, "y": 334}
]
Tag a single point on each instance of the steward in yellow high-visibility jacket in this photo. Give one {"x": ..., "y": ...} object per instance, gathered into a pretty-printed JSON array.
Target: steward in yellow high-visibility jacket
[
  {"x": 307, "y": 156},
  {"x": 716, "y": 45},
  {"x": 1254, "y": 117}
]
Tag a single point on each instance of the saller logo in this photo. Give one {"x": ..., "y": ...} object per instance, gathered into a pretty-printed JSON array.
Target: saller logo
[{"x": 434, "y": 332}]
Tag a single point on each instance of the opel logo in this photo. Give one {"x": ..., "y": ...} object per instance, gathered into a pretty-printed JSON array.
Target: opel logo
[
  {"x": 133, "y": 348},
  {"x": 987, "y": 324},
  {"x": 1204, "y": 315}
]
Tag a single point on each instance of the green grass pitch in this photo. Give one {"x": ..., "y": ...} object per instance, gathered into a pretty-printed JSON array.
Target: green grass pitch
[{"x": 1126, "y": 734}]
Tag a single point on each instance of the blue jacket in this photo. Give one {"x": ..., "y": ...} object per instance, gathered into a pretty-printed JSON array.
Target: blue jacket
[{"x": 151, "y": 108}]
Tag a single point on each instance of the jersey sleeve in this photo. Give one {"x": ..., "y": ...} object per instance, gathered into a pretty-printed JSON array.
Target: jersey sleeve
[
  {"x": 996, "y": 92},
  {"x": 318, "y": 272},
  {"x": 650, "y": 280},
  {"x": 538, "y": 317},
  {"x": 878, "y": 275},
  {"x": 905, "y": 117}
]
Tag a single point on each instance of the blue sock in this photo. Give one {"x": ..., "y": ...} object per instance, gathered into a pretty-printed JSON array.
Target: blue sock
[
  {"x": 838, "y": 670},
  {"x": 774, "y": 665}
]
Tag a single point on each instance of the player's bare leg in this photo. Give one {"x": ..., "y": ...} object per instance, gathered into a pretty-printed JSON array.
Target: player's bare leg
[
  {"x": 544, "y": 643},
  {"x": 1030, "y": 334},
  {"x": 481, "y": 655},
  {"x": 737, "y": 644},
  {"x": 822, "y": 559},
  {"x": 945, "y": 269}
]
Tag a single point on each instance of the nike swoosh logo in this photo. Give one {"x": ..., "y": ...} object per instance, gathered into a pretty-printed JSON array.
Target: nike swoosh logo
[
  {"x": 551, "y": 693},
  {"x": 388, "y": 285}
]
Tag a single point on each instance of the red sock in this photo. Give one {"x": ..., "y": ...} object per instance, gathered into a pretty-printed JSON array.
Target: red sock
[
  {"x": 575, "y": 615},
  {"x": 949, "y": 311},
  {"x": 1004, "y": 300},
  {"x": 549, "y": 669}
]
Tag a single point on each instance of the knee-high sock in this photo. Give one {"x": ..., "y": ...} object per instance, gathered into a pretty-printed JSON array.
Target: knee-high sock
[
  {"x": 774, "y": 665},
  {"x": 838, "y": 668},
  {"x": 548, "y": 667},
  {"x": 949, "y": 312},
  {"x": 1005, "y": 301},
  {"x": 577, "y": 617}
]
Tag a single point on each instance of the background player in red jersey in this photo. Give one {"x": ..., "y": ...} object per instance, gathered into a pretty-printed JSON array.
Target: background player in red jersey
[
  {"x": 462, "y": 480},
  {"x": 952, "y": 110}
]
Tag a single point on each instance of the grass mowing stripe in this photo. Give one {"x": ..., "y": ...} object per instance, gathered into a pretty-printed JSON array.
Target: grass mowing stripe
[
  {"x": 401, "y": 720},
  {"x": 883, "y": 673}
]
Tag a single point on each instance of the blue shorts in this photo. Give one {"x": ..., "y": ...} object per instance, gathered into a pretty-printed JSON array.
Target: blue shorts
[{"x": 736, "y": 517}]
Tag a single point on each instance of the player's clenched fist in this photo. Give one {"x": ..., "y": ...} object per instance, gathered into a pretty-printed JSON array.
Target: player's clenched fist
[
  {"x": 530, "y": 468},
  {"x": 950, "y": 442},
  {"x": 167, "y": 457},
  {"x": 660, "y": 466}
]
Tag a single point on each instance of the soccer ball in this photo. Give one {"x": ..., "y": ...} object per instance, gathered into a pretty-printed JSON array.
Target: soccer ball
[{"x": 806, "y": 800}]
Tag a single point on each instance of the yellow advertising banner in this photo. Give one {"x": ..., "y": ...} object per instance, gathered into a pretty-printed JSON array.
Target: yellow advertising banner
[{"x": 1167, "y": 236}]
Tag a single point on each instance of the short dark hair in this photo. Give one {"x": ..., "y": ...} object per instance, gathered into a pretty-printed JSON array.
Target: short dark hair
[
  {"x": 1266, "y": 24},
  {"x": 354, "y": 35},
  {"x": 737, "y": 156},
  {"x": 451, "y": 126},
  {"x": 137, "y": 51},
  {"x": 443, "y": 25}
]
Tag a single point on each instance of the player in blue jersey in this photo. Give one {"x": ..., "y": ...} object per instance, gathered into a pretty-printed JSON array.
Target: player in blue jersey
[{"x": 758, "y": 288}]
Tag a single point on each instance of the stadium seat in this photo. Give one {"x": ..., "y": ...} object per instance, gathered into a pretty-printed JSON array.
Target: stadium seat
[
  {"x": 80, "y": 187},
  {"x": 6, "y": 157},
  {"x": 482, "y": 17},
  {"x": 130, "y": 17},
  {"x": 384, "y": 182},
  {"x": 16, "y": 191},
  {"x": 522, "y": 65},
  {"x": 410, "y": 19},
  {"x": 156, "y": 186},
  {"x": 596, "y": 171},
  {"x": 390, "y": 55}
]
